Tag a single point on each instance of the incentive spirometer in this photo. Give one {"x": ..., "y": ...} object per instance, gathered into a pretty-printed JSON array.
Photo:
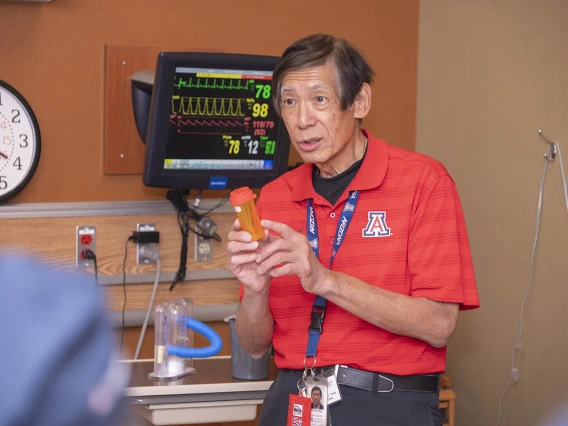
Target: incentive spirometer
[{"x": 174, "y": 328}]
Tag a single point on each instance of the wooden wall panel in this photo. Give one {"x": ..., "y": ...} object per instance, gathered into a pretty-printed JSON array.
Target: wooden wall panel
[
  {"x": 52, "y": 240},
  {"x": 206, "y": 292},
  {"x": 123, "y": 149}
]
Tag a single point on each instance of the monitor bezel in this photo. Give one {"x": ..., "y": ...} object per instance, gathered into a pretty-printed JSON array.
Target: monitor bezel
[{"x": 154, "y": 174}]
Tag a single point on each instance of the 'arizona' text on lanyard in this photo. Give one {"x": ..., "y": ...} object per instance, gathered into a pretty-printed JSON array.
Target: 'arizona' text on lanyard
[
  {"x": 342, "y": 225},
  {"x": 318, "y": 309}
]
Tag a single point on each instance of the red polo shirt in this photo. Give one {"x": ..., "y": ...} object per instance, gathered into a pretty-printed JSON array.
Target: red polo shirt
[{"x": 407, "y": 235}]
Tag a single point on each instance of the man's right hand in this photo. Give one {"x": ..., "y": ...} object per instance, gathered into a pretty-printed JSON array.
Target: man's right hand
[{"x": 242, "y": 252}]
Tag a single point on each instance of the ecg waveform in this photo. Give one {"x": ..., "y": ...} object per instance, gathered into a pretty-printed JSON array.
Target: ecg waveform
[
  {"x": 208, "y": 126},
  {"x": 233, "y": 84},
  {"x": 210, "y": 107}
]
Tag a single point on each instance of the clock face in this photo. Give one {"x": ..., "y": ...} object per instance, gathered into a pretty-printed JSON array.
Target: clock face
[{"x": 20, "y": 142}]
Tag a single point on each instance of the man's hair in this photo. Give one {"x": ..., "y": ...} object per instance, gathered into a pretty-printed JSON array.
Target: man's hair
[
  {"x": 316, "y": 388},
  {"x": 351, "y": 67}
]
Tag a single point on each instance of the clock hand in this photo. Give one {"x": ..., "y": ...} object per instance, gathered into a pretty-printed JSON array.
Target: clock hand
[{"x": 3, "y": 155}]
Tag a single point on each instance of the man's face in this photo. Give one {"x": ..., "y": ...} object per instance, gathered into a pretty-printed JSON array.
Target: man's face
[
  {"x": 316, "y": 396},
  {"x": 310, "y": 108}
]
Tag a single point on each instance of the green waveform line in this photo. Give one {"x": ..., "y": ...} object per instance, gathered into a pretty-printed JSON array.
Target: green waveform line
[
  {"x": 211, "y": 107},
  {"x": 199, "y": 85}
]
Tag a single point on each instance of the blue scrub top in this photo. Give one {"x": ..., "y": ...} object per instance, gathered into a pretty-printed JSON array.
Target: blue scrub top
[{"x": 56, "y": 349}]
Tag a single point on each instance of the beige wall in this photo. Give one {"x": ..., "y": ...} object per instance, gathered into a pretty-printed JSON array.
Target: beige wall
[{"x": 490, "y": 74}]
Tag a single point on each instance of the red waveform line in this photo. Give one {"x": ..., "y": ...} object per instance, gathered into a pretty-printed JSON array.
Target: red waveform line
[
  {"x": 208, "y": 133},
  {"x": 206, "y": 123}
]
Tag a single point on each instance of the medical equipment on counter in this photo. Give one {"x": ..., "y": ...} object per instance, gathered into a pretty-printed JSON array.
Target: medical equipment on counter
[{"x": 174, "y": 327}]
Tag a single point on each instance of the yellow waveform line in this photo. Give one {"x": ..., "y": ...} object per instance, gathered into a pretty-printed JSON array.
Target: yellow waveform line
[{"x": 206, "y": 106}]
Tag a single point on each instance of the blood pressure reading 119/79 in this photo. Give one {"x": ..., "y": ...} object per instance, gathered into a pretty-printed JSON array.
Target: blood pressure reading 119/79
[{"x": 221, "y": 119}]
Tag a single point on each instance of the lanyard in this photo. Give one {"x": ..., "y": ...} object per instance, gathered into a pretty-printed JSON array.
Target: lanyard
[{"x": 318, "y": 310}]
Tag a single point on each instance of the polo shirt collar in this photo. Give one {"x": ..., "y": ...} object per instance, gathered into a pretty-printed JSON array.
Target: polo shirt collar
[{"x": 370, "y": 175}]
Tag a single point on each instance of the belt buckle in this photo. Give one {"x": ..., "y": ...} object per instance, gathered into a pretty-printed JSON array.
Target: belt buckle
[{"x": 391, "y": 383}]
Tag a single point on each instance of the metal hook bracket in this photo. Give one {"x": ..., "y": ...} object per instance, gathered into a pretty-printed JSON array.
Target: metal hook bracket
[{"x": 552, "y": 148}]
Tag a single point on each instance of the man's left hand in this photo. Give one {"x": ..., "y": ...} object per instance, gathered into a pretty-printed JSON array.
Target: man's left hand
[{"x": 292, "y": 255}]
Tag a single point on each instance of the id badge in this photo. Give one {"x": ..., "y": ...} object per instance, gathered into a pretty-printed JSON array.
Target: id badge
[
  {"x": 333, "y": 391},
  {"x": 316, "y": 391},
  {"x": 299, "y": 410}
]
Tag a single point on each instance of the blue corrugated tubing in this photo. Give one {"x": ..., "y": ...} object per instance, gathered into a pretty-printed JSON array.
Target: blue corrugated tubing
[{"x": 208, "y": 332}]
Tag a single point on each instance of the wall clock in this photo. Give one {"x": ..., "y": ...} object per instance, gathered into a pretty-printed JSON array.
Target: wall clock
[{"x": 20, "y": 142}]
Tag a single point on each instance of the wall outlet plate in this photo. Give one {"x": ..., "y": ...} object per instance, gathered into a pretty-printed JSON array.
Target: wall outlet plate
[
  {"x": 203, "y": 249},
  {"x": 144, "y": 227},
  {"x": 86, "y": 238}
]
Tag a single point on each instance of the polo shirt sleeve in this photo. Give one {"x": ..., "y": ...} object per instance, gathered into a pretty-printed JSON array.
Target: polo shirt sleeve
[{"x": 439, "y": 257}]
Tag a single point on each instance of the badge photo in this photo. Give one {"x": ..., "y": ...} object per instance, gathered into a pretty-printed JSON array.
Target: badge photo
[{"x": 317, "y": 392}]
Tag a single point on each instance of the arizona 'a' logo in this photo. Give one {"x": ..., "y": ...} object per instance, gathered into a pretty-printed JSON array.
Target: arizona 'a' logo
[{"x": 377, "y": 225}]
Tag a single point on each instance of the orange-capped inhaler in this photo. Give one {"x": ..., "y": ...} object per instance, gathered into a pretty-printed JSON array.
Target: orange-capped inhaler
[{"x": 242, "y": 199}]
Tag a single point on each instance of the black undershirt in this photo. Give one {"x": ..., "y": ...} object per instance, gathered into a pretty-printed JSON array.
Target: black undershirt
[{"x": 332, "y": 188}]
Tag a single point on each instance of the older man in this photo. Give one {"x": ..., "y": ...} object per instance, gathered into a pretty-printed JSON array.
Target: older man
[{"x": 368, "y": 237}]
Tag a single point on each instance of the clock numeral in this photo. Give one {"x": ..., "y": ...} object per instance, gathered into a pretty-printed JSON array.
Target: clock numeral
[
  {"x": 7, "y": 140},
  {"x": 18, "y": 164},
  {"x": 24, "y": 143},
  {"x": 16, "y": 117},
  {"x": 3, "y": 124},
  {"x": 3, "y": 182}
]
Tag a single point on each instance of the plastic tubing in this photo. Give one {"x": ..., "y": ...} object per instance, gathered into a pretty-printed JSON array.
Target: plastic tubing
[{"x": 205, "y": 330}]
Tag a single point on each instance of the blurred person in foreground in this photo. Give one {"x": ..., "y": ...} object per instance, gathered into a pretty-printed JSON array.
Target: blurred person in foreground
[
  {"x": 57, "y": 350},
  {"x": 559, "y": 417}
]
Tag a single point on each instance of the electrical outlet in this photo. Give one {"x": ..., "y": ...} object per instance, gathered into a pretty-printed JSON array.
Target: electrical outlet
[
  {"x": 203, "y": 249},
  {"x": 86, "y": 239},
  {"x": 144, "y": 227}
]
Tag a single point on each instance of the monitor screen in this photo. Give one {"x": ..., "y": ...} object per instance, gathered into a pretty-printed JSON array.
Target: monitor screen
[{"x": 212, "y": 123}]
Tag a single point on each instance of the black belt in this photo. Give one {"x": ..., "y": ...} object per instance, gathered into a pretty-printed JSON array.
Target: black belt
[{"x": 382, "y": 382}]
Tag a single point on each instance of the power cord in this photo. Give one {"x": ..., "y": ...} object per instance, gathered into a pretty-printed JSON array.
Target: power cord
[
  {"x": 205, "y": 224},
  {"x": 96, "y": 270},
  {"x": 549, "y": 157},
  {"x": 154, "y": 254},
  {"x": 131, "y": 238},
  {"x": 196, "y": 203},
  {"x": 90, "y": 255},
  {"x": 184, "y": 227}
]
